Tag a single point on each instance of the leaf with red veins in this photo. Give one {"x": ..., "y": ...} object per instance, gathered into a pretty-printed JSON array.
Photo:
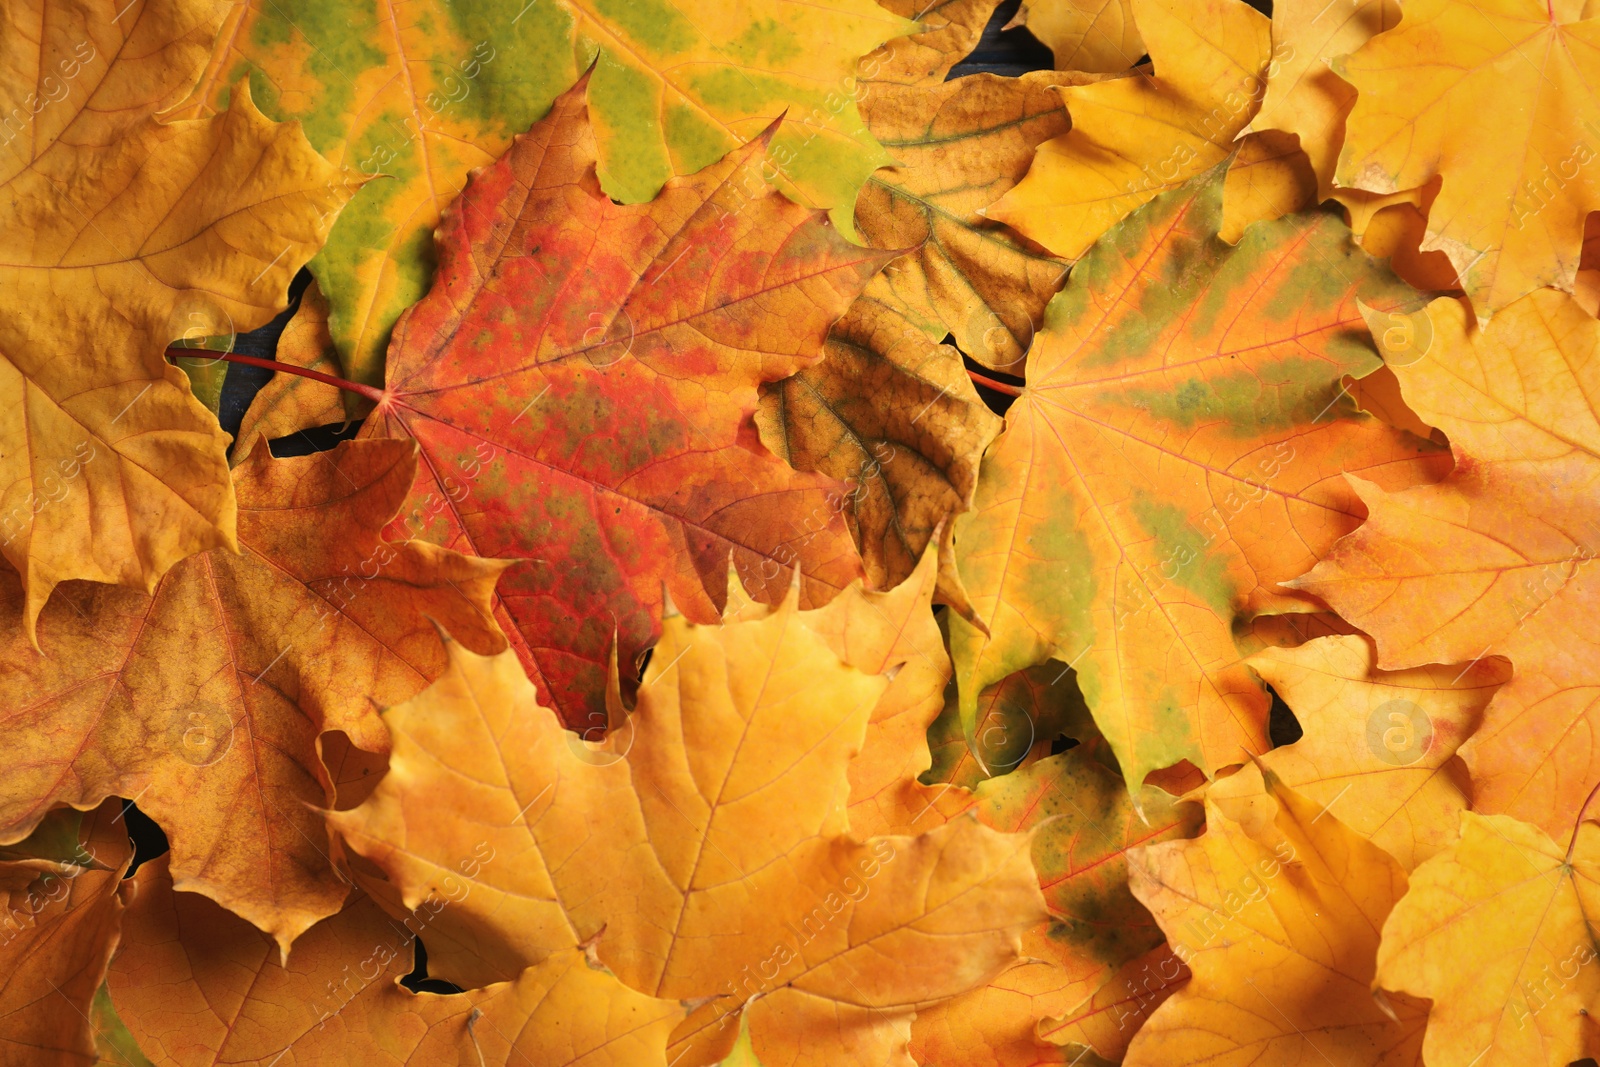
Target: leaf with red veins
[{"x": 582, "y": 378}]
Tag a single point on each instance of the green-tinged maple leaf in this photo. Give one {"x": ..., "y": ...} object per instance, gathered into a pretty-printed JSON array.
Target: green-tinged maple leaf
[
  {"x": 1018, "y": 719},
  {"x": 113, "y": 1041},
  {"x": 581, "y": 380},
  {"x": 1084, "y": 823},
  {"x": 1087, "y": 823},
  {"x": 1178, "y": 451},
  {"x": 205, "y": 700},
  {"x": 120, "y": 233},
  {"x": 423, "y": 93}
]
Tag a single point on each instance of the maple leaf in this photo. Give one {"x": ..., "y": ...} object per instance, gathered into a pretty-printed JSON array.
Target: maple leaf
[
  {"x": 1078, "y": 802},
  {"x": 893, "y": 416},
  {"x": 1092, "y": 35},
  {"x": 946, "y": 32},
  {"x": 1104, "y": 1024},
  {"x": 958, "y": 146},
  {"x": 893, "y": 634},
  {"x": 1496, "y": 560},
  {"x": 1269, "y": 178},
  {"x": 707, "y": 837},
  {"x": 289, "y": 403},
  {"x": 885, "y": 390},
  {"x": 208, "y": 696},
  {"x": 62, "y": 897},
  {"x": 581, "y": 380},
  {"x": 120, "y": 233},
  {"x": 1176, "y": 454},
  {"x": 1018, "y": 719},
  {"x": 199, "y": 987},
  {"x": 1136, "y": 137},
  {"x": 1496, "y": 931},
  {"x": 1304, "y": 96},
  {"x": 1510, "y": 213},
  {"x": 1086, "y": 822},
  {"x": 112, "y": 1041},
  {"x": 1586, "y": 289},
  {"x": 426, "y": 92},
  {"x": 996, "y": 1024},
  {"x": 1280, "y": 928},
  {"x": 1378, "y": 745}
]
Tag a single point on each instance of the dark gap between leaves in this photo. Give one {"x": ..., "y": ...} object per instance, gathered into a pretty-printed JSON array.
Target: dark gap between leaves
[
  {"x": 418, "y": 981},
  {"x": 149, "y": 840},
  {"x": 1008, "y": 52},
  {"x": 1282, "y": 727}
]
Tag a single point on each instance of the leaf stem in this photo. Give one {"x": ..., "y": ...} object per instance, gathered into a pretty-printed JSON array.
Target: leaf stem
[
  {"x": 370, "y": 392},
  {"x": 999, "y": 387}
]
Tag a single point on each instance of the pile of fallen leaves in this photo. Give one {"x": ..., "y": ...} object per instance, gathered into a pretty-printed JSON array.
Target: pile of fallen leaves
[{"x": 684, "y": 662}]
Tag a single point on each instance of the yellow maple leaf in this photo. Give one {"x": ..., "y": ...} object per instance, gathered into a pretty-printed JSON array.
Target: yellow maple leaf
[
  {"x": 1498, "y": 931},
  {"x": 1134, "y": 138},
  {"x": 996, "y": 1025},
  {"x": 1092, "y": 35},
  {"x": 120, "y": 233},
  {"x": 1278, "y": 920},
  {"x": 1268, "y": 178},
  {"x": 199, "y": 987},
  {"x": 707, "y": 836},
  {"x": 1304, "y": 97},
  {"x": 1496, "y": 560},
  {"x": 1394, "y": 227},
  {"x": 893, "y": 634},
  {"x": 1379, "y": 746},
  {"x": 1511, "y": 211},
  {"x": 1104, "y": 1024}
]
